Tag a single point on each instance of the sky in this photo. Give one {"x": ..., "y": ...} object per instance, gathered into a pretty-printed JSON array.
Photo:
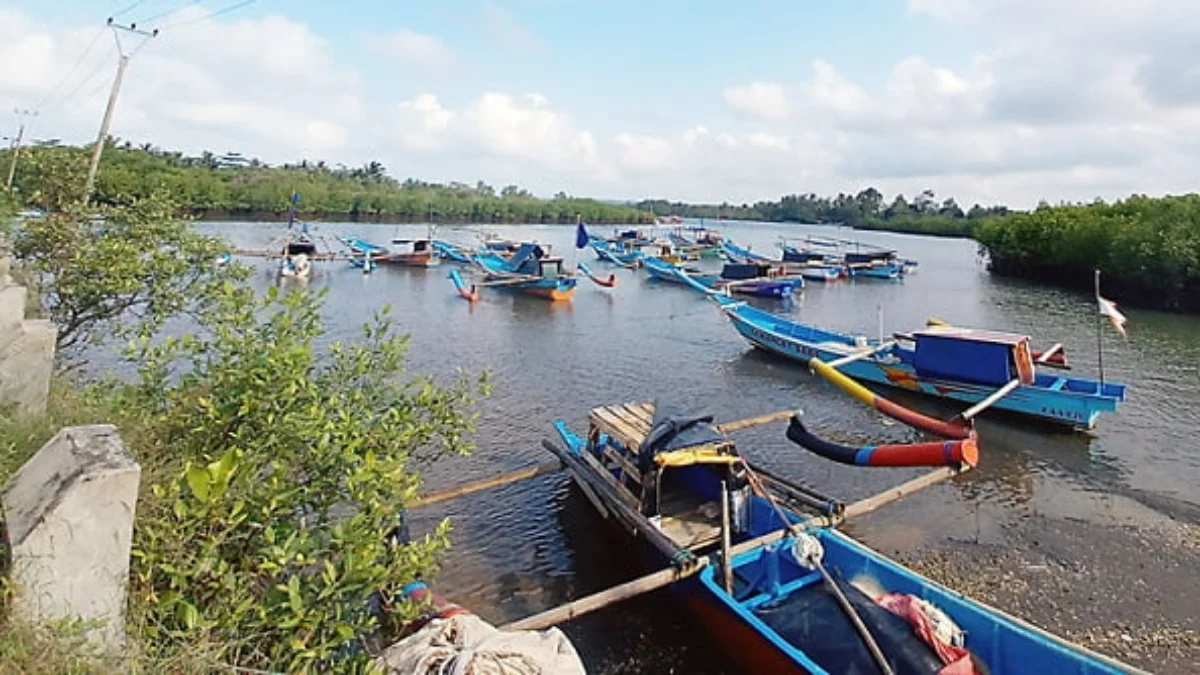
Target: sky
[{"x": 988, "y": 101}]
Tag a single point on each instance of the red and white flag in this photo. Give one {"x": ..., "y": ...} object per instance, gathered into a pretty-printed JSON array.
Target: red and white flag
[{"x": 1109, "y": 309}]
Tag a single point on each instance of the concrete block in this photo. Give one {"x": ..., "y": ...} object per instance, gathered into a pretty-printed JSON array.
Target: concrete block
[
  {"x": 12, "y": 304},
  {"x": 26, "y": 364},
  {"x": 69, "y": 518}
]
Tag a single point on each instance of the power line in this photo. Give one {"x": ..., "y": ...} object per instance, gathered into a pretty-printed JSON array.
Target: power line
[
  {"x": 78, "y": 62},
  {"x": 211, "y": 15},
  {"x": 130, "y": 8},
  {"x": 169, "y": 12},
  {"x": 82, "y": 83}
]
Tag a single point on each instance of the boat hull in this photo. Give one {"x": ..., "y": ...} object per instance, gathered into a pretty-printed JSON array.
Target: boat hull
[
  {"x": 428, "y": 259},
  {"x": 1075, "y": 409}
]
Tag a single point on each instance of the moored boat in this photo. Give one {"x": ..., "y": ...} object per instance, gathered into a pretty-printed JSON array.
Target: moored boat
[
  {"x": 529, "y": 270},
  {"x": 664, "y": 270},
  {"x": 412, "y": 252},
  {"x": 959, "y": 364},
  {"x": 778, "y": 588},
  {"x": 757, "y": 279}
]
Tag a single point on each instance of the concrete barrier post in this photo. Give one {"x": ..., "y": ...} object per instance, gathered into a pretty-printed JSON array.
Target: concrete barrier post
[
  {"x": 69, "y": 514},
  {"x": 26, "y": 349}
]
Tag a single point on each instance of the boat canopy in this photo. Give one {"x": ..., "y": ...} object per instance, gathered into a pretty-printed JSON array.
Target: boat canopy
[
  {"x": 970, "y": 355},
  {"x": 526, "y": 257}
]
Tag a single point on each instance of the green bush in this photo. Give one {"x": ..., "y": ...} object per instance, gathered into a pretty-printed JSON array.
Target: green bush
[{"x": 275, "y": 475}]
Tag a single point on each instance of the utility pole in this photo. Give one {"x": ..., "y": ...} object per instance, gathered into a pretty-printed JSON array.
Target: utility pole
[
  {"x": 123, "y": 61},
  {"x": 16, "y": 144}
]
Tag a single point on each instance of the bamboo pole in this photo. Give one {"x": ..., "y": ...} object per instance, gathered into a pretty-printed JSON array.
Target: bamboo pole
[
  {"x": 726, "y": 561},
  {"x": 838, "y": 363},
  {"x": 666, "y": 577},
  {"x": 875, "y": 502},
  {"x": 486, "y": 483},
  {"x": 728, "y": 427},
  {"x": 992, "y": 399}
]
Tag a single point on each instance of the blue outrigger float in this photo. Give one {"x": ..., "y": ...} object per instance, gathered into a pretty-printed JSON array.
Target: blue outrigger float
[
  {"x": 967, "y": 365},
  {"x": 757, "y": 562}
]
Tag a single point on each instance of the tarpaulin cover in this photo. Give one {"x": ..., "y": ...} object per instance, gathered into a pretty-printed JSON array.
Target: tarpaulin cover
[
  {"x": 673, "y": 429},
  {"x": 467, "y": 645},
  {"x": 811, "y": 620}
]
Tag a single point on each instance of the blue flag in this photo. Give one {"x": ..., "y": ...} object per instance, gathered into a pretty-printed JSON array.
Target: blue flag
[{"x": 581, "y": 236}]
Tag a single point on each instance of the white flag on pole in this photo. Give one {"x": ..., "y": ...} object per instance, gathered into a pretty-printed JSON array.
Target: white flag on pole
[{"x": 1109, "y": 309}]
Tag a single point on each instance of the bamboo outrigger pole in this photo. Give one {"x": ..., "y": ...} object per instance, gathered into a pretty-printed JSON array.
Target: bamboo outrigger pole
[{"x": 666, "y": 577}]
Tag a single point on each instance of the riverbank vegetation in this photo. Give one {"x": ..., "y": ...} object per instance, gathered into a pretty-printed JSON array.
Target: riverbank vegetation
[
  {"x": 269, "y": 530},
  {"x": 1147, "y": 248},
  {"x": 232, "y": 188},
  {"x": 866, "y": 210}
]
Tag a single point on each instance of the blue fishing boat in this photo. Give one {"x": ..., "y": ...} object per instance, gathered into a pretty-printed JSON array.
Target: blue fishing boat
[
  {"x": 817, "y": 268},
  {"x": 757, "y": 279},
  {"x": 762, "y": 569},
  {"x": 737, "y": 254},
  {"x": 959, "y": 364},
  {"x": 529, "y": 270}
]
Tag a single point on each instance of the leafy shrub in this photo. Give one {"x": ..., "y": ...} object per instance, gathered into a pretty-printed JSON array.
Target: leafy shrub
[{"x": 276, "y": 474}]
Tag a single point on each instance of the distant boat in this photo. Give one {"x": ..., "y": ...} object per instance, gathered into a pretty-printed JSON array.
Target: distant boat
[
  {"x": 299, "y": 249},
  {"x": 529, "y": 270}
]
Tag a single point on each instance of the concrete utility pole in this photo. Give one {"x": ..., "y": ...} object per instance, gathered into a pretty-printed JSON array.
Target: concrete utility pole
[
  {"x": 16, "y": 144},
  {"x": 112, "y": 96}
]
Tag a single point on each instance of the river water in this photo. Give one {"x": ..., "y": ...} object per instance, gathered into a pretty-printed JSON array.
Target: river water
[{"x": 535, "y": 544}]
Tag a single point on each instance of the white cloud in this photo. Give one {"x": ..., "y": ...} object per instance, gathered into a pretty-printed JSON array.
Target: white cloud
[
  {"x": 1063, "y": 100},
  {"x": 525, "y": 129},
  {"x": 180, "y": 92},
  {"x": 425, "y": 51},
  {"x": 766, "y": 100}
]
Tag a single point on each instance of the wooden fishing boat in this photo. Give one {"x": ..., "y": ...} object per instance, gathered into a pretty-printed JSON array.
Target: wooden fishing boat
[
  {"x": 299, "y": 250},
  {"x": 412, "y": 252},
  {"x": 959, "y": 364},
  {"x": 702, "y": 242},
  {"x": 756, "y": 279},
  {"x": 808, "y": 267},
  {"x": 529, "y": 270},
  {"x": 765, "y": 573}
]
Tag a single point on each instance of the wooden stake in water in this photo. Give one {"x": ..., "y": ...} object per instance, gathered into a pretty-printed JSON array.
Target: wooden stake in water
[
  {"x": 726, "y": 563},
  {"x": 1099, "y": 333}
]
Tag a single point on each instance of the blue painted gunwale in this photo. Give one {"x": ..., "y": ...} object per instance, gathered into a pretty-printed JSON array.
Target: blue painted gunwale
[
  {"x": 1006, "y": 644},
  {"x": 1075, "y": 402},
  {"x": 662, "y": 270},
  {"x": 451, "y": 251},
  {"x": 496, "y": 267}
]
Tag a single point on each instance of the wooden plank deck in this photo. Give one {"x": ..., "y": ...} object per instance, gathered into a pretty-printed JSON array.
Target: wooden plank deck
[{"x": 690, "y": 522}]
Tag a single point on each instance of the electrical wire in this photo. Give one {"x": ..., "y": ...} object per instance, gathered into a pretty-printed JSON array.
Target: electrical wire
[
  {"x": 169, "y": 12},
  {"x": 79, "y": 61},
  {"x": 84, "y": 82},
  {"x": 210, "y": 15},
  {"x": 130, "y": 8}
]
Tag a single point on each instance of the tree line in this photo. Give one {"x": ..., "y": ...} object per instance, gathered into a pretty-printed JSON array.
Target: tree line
[
  {"x": 232, "y": 187},
  {"x": 868, "y": 209},
  {"x": 1148, "y": 249}
]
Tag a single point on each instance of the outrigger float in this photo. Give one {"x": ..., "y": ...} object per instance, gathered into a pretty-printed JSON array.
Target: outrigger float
[{"x": 980, "y": 367}]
